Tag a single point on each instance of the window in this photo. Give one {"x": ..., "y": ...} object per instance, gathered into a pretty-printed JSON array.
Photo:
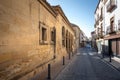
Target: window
[
  {"x": 118, "y": 24},
  {"x": 105, "y": 1},
  {"x": 112, "y": 5},
  {"x": 63, "y": 36},
  {"x": 66, "y": 39},
  {"x": 101, "y": 16},
  {"x": 112, "y": 27},
  {"x": 53, "y": 34},
  {"x": 42, "y": 34}
]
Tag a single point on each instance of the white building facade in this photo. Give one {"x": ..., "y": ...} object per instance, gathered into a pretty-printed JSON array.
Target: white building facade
[{"x": 107, "y": 26}]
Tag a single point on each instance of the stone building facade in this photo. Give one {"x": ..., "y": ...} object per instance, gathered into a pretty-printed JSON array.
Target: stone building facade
[{"x": 32, "y": 34}]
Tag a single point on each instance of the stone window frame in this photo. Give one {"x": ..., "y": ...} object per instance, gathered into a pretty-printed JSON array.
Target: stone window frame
[
  {"x": 63, "y": 36},
  {"x": 52, "y": 35},
  {"x": 66, "y": 34},
  {"x": 112, "y": 23},
  {"x": 42, "y": 27}
]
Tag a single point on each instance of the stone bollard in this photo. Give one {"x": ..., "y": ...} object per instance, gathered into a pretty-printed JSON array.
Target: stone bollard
[
  {"x": 49, "y": 72},
  {"x": 63, "y": 60},
  {"x": 69, "y": 56}
]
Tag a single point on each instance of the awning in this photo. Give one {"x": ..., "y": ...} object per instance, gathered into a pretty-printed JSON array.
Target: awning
[{"x": 112, "y": 36}]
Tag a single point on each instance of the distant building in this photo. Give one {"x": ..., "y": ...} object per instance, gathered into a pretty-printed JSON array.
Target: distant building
[
  {"x": 77, "y": 35},
  {"x": 80, "y": 37},
  {"x": 83, "y": 39}
]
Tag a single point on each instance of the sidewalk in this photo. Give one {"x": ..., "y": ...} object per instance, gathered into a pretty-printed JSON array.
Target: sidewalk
[
  {"x": 56, "y": 68},
  {"x": 115, "y": 61}
]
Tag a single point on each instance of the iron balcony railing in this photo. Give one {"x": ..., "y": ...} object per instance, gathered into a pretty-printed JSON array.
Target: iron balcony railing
[
  {"x": 97, "y": 21},
  {"x": 101, "y": 34},
  {"x": 111, "y": 5},
  {"x": 111, "y": 30},
  {"x": 101, "y": 17},
  {"x": 118, "y": 27},
  {"x": 105, "y": 1}
]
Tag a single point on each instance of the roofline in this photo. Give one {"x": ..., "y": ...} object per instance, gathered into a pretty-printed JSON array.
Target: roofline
[
  {"x": 63, "y": 15},
  {"x": 74, "y": 25},
  {"x": 48, "y": 7},
  {"x": 97, "y": 6}
]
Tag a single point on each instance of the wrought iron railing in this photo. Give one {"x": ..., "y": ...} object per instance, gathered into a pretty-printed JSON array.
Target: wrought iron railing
[
  {"x": 111, "y": 29},
  {"x": 111, "y": 5}
]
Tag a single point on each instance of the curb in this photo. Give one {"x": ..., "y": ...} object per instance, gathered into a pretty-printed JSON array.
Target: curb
[{"x": 109, "y": 63}]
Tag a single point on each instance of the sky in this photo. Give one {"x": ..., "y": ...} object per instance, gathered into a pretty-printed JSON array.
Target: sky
[{"x": 79, "y": 12}]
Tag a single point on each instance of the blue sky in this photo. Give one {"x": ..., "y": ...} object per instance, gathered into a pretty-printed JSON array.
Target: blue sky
[{"x": 79, "y": 12}]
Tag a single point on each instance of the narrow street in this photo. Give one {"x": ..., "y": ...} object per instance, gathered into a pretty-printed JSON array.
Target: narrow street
[
  {"x": 86, "y": 65},
  {"x": 59, "y": 39}
]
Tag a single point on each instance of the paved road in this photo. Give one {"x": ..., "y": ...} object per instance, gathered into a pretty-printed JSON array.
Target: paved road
[{"x": 87, "y": 66}]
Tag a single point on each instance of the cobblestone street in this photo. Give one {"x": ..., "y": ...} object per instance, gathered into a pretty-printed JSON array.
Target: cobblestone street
[{"x": 86, "y": 65}]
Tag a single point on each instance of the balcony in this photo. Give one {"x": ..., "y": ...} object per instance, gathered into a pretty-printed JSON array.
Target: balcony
[
  {"x": 97, "y": 21},
  {"x": 118, "y": 27},
  {"x": 96, "y": 36},
  {"x": 111, "y": 5},
  {"x": 111, "y": 30},
  {"x": 101, "y": 35},
  {"x": 105, "y": 1},
  {"x": 101, "y": 17}
]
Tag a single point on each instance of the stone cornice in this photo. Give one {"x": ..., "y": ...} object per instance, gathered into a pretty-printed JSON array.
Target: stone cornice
[
  {"x": 59, "y": 10},
  {"x": 48, "y": 7}
]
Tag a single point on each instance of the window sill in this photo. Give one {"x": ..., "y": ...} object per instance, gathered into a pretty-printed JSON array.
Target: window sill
[
  {"x": 52, "y": 43},
  {"x": 43, "y": 43}
]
